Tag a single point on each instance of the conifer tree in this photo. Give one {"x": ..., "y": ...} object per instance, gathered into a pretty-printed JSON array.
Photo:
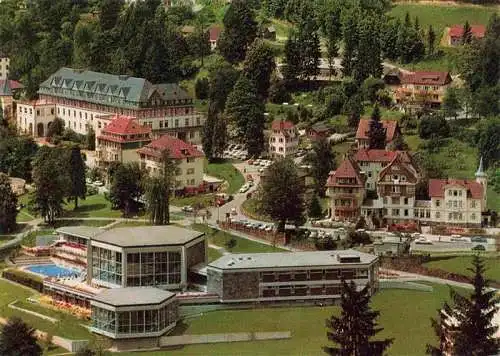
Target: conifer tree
[
  {"x": 314, "y": 210},
  {"x": 323, "y": 162},
  {"x": 431, "y": 40},
  {"x": 259, "y": 65},
  {"x": 355, "y": 326},
  {"x": 467, "y": 34},
  {"x": 77, "y": 175},
  {"x": 8, "y": 205},
  {"x": 468, "y": 322},
  {"x": 376, "y": 132}
]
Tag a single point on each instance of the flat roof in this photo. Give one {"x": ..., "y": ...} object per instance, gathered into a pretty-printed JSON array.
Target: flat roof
[
  {"x": 129, "y": 296},
  {"x": 290, "y": 259},
  {"x": 85, "y": 232},
  {"x": 147, "y": 236}
]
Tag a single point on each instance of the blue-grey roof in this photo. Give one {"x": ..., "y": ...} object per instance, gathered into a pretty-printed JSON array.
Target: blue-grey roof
[
  {"x": 133, "y": 296},
  {"x": 112, "y": 90}
]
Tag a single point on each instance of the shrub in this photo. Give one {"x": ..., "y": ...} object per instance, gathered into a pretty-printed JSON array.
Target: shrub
[
  {"x": 24, "y": 278},
  {"x": 201, "y": 88},
  {"x": 91, "y": 190},
  {"x": 433, "y": 126},
  {"x": 325, "y": 243}
]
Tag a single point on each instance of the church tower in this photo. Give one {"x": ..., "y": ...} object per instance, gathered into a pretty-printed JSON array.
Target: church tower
[{"x": 482, "y": 178}]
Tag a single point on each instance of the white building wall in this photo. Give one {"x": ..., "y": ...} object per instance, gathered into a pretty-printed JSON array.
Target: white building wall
[{"x": 4, "y": 68}]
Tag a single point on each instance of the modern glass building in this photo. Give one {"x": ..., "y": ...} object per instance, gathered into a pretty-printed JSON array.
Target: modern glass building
[
  {"x": 135, "y": 312},
  {"x": 160, "y": 256}
]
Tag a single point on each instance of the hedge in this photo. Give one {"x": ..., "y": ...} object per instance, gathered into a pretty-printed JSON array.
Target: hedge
[{"x": 24, "y": 278}]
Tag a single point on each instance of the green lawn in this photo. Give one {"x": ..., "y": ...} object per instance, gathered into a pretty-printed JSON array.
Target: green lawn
[
  {"x": 226, "y": 171},
  {"x": 493, "y": 199},
  {"x": 220, "y": 238},
  {"x": 5, "y": 238},
  {"x": 24, "y": 215},
  {"x": 459, "y": 264},
  {"x": 203, "y": 199},
  {"x": 213, "y": 254},
  {"x": 441, "y": 16},
  {"x": 68, "y": 325},
  {"x": 250, "y": 207},
  {"x": 404, "y": 314},
  {"x": 448, "y": 62},
  {"x": 340, "y": 149},
  {"x": 93, "y": 206}
]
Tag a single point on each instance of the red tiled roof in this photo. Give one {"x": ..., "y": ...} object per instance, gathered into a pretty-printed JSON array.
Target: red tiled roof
[
  {"x": 214, "y": 33},
  {"x": 377, "y": 156},
  {"x": 364, "y": 126},
  {"x": 125, "y": 125},
  {"x": 282, "y": 125},
  {"x": 478, "y": 31},
  {"x": 436, "y": 187},
  {"x": 347, "y": 169},
  {"x": 426, "y": 78},
  {"x": 178, "y": 149},
  {"x": 14, "y": 84}
]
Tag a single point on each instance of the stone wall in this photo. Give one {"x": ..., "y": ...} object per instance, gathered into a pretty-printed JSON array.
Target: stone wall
[
  {"x": 195, "y": 254},
  {"x": 240, "y": 285},
  {"x": 214, "y": 282},
  {"x": 136, "y": 344}
]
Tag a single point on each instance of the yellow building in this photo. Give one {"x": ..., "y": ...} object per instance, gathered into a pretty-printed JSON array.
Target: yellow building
[
  {"x": 189, "y": 160},
  {"x": 119, "y": 141},
  {"x": 34, "y": 117}
]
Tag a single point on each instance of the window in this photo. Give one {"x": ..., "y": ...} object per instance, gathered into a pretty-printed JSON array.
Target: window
[
  {"x": 459, "y": 193},
  {"x": 406, "y": 212},
  {"x": 473, "y": 204},
  {"x": 396, "y": 189},
  {"x": 186, "y": 122},
  {"x": 369, "y": 174},
  {"x": 52, "y": 111},
  {"x": 176, "y": 122},
  {"x": 99, "y": 124},
  {"x": 166, "y": 123},
  {"x": 428, "y": 214},
  {"x": 395, "y": 177},
  {"x": 473, "y": 216},
  {"x": 450, "y": 193},
  {"x": 37, "y": 112},
  {"x": 450, "y": 216},
  {"x": 191, "y": 134},
  {"x": 161, "y": 124},
  {"x": 190, "y": 160},
  {"x": 31, "y": 111},
  {"x": 455, "y": 203},
  {"x": 403, "y": 178},
  {"x": 190, "y": 171},
  {"x": 395, "y": 212},
  {"x": 455, "y": 193},
  {"x": 438, "y": 215},
  {"x": 395, "y": 201},
  {"x": 406, "y": 201},
  {"x": 198, "y": 121},
  {"x": 438, "y": 203}
]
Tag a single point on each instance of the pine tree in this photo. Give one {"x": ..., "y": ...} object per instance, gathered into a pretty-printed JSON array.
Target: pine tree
[
  {"x": 376, "y": 132},
  {"x": 240, "y": 29},
  {"x": 323, "y": 162},
  {"x": 350, "y": 37},
  {"x": 451, "y": 102},
  {"x": 8, "y": 205},
  {"x": 245, "y": 111},
  {"x": 222, "y": 80},
  {"x": 309, "y": 46},
  {"x": 315, "y": 211},
  {"x": 259, "y": 65},
  {"x": 214, "y": 136},
  {"x": 467, "y": 34},
  {"x": 293, "y": 64},
  {"x": 77, "y": 175},
  {"x": 356, "y": 325},
  {"x": 431, "y": 40},
  {"x": 468, "y": 322},
  {"x": 368, "y": 60}
]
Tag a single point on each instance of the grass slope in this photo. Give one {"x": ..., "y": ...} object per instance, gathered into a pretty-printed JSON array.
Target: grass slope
[
  {"x": 460, "y": 265},
  {"x": 68, "y": 325},
  {"x": 220, "y": 238},
  {"x": 404, "y": 314},
  {"x": 226, "y": 171}
]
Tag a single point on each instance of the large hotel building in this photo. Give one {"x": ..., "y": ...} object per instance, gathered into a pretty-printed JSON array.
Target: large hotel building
[{"x": 85, "y": 99}]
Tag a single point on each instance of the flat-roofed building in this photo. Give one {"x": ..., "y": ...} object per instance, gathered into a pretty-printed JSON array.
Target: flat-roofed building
[
  {"x": 298, "y": 276},
  {"x": 158, "y": 256},
  {"x": 134, "y": 312}
]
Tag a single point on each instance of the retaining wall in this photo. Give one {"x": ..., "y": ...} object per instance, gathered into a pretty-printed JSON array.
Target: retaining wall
[{"x": 218, "y": 338}]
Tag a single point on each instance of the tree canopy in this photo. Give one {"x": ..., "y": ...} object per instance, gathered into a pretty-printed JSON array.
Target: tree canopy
[
  {"x": 8, "y": 205},
  {"x": 18, "y": 338}
]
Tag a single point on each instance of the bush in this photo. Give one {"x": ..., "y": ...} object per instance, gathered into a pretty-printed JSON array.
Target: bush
[
  {"x": 91, "y": 190},
  {"x": 433, "y": 126},
  {"x": 325, "y": 243},
  {"x": 201, "y": 88},
  {"x": 24, "y": 278}
]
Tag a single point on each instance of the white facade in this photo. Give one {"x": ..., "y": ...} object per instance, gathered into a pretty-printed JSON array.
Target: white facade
[
  {"x": 34, "y": 118},
  {"x": 4, "y": 67},
  {"x": 456, "y": 207},
  {"x": 283, "y": 141}
]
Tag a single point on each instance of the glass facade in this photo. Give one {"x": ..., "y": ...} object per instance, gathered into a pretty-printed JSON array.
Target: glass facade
[
  {"x": 153, "y": 268},
  {"x": 107, "y": 265},
  {"x": 123, "y": 323}
]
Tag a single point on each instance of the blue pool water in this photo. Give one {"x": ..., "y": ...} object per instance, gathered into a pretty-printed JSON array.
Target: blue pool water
[{"x": 53, "y": 270}]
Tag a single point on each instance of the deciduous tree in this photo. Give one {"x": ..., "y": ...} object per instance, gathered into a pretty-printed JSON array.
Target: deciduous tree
[
  {"x": 18, "y": 338},
  {"x": 322, "y": 161},
  {"x": 282, "y": 194},
  {"x": 126, "y": 186},
  {"x": 451, "y": 103},
  {"x": 353, "y": 330}
]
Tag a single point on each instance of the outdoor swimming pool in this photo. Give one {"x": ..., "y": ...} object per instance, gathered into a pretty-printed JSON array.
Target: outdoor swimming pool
[{"x": 53, "y": 270}]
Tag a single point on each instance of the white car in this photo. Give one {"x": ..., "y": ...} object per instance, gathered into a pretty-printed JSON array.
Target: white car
[
  {"x": 244, "y": 189},
  {"x": 98, "y": 183}
]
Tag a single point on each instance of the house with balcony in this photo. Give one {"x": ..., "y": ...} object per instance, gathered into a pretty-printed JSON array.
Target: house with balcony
[
  {"x": 418, "y": 89},
  {"x": 189, "y": 162},
  {"x": 345, "y": 188},
  {"x": 391, "y": 127},
  {"x": 80, "y": 96},
  {"x": 284, "y": 139},
  {"x": 119, "y": 141},
  {"x": 456, "y": 33}
]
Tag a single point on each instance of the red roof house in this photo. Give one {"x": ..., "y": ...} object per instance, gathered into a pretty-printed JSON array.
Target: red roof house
[
  {"x": 437, "y": 187},
  {"x": 348, "y": 169},
  {"x": 177, "y": 148},
  {"x": 213, "y": 34},
  {"x": 125, "y": 129},
  {"x": 426, "y": 78},
  {"x": 391, "y": 127},
  {"x": 279, "y": 125},
  {"x": 457, "y": 31}
]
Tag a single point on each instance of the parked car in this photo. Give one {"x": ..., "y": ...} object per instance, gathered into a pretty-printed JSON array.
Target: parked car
[
  {"x": 479, "y": 248},
  {"x": 479, "y": 239},
  {"x": 244, "y": 188},
  {"x": 423, "y": 242},
  {"x": 98, "y": 183},
  {"x": 233, "y": 211},
  {"x": 187, "y": 209}
]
